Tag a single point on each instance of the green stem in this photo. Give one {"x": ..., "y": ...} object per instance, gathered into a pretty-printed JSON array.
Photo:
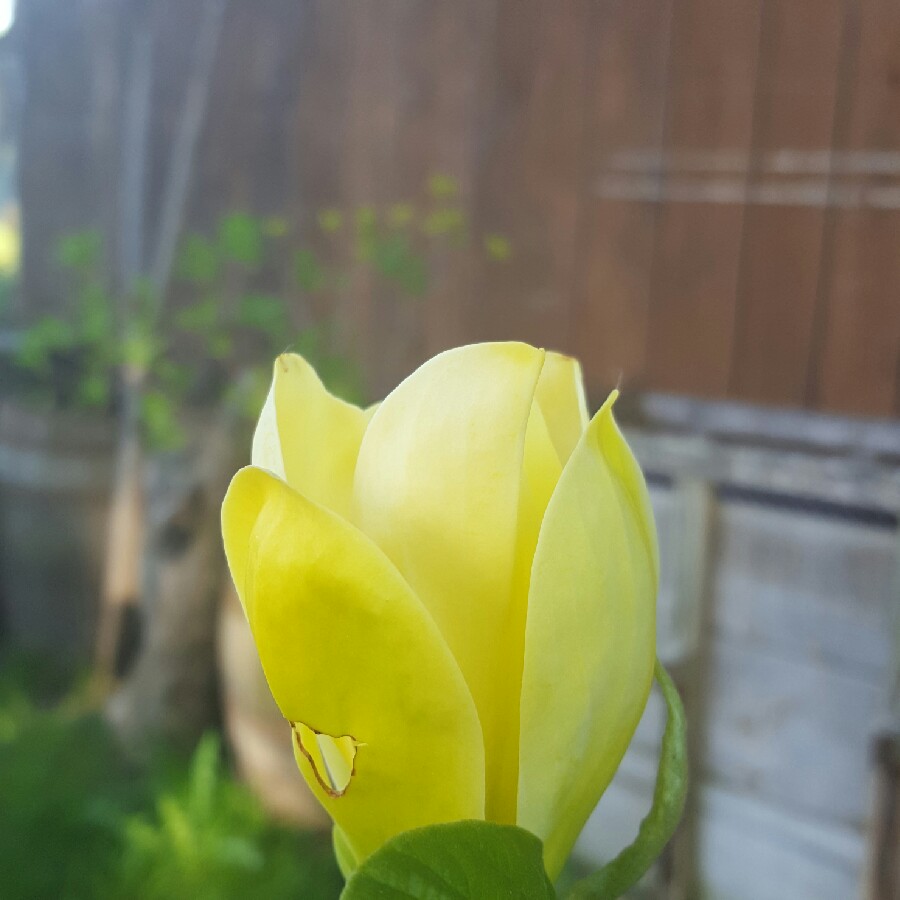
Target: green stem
[{"x": 657, "y": 828}]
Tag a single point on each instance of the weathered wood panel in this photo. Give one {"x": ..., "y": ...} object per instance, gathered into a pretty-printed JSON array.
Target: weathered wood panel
[
  {"x": 803, "y": 587},
  {"x": 794, "y": 690},
  {"x": 628, "y": 65},
  {"x": 712, "y": 86},
  {"x": 794, "y": 111},
  {"x": 702, "y": 197},
  {"x": 860, "y": 364},
  {"x": 528, "y": 175},
  {"x": 453, "y": 59}
]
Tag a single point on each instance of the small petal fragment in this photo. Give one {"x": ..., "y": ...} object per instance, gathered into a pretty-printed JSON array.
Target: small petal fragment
[
  {"x": 590, "y": 637},
  {"x": 332, "y": 758},
  {"x": 351, "y": 654}
]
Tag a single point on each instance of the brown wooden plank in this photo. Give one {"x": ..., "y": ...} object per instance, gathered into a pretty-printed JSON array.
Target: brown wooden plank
[
  {"x": 63, "y": 134},
  {"x": 316, "y": 139},
  {"x": 528, "y": 183},
  {"x": 713, "y": 76},
  {"x": 860, "y": 353},
  {"x": 247, "y": 147},
  {"x": 453, "y": 60},
  {"x": 626, "y": 88},
  {"x": 369, "y": 167},
  {"x": 440, "y": 54},
  {"x": 799, "y": 67}
]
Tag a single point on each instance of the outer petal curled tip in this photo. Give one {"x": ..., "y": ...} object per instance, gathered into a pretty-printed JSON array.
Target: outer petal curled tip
[
  {"x": 307, "y": 436},
  {"x": 437, "y": 487},
  {"x": 590, "y": 637},
  {"x": 343, "y": 640}
]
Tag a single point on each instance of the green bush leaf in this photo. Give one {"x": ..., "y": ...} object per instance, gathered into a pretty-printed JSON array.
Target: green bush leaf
[
  {"x": 401, "y": 214},
  {"x": 626, "y": 869},
  {"x": 81, "y": 250},
  {"x": 241, "y": 239},
  {"x": 497, "y": 247},
  {"x": 458, "y": 861},
  {"x": 442, "y": 187},
  {"x": 95, "y": 314},
  {"x": 330, "y": 220},
  {"x": 198, "y": 260},
  {"x": 200, "y": 316},
  {"x": 93, "y": 389},
  {"x": 264, "y": 313},
  {"x": 309, "y": 274},
  {"x": 47, "y": 336},
  {"x": 447, "y": 221},
  {"x": 162, "y": 429}
]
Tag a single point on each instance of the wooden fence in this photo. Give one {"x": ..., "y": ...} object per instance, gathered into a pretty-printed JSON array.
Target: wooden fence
[
  {"x": 703, "y": 196},
  {"x": 778, "y": 615},
  {"x": 704, "y": 199}
]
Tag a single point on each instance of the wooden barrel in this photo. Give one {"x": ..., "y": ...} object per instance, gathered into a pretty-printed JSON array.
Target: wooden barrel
[
  {"x": 259, "y": 736},
  {"x": 55, "y": 482}
]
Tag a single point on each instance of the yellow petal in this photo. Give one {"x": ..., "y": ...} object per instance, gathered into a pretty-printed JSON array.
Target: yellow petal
[
  {"x": 590, "y": 637},
  {"x": 437, "y": 487},
  {"x": 560, "y": 394},
  {"x": 308, "y": 436},
  {"x": 350, "y": 654}
]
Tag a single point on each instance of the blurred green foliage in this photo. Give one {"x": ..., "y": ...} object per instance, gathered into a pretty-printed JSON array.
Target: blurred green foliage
[
  {"x": 239, "y": 296},
  {"x": 77, "y": 820}
]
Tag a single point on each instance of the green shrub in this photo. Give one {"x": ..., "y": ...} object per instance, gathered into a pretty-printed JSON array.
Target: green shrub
[{"x": 78, "y": 821}]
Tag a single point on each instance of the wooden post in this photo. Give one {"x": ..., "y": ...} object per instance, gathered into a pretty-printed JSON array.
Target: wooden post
[
  {"x": 883, "y": 875},
  {"x": 696, "y": 499}
]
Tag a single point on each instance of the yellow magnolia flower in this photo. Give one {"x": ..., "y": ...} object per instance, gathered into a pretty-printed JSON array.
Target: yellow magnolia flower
[{"x": 452, "y": 594}]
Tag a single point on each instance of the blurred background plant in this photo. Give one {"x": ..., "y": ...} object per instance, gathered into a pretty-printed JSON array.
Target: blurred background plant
[
  {"x": 173, "y": 827},
  {"x": 239, "y": 295}
]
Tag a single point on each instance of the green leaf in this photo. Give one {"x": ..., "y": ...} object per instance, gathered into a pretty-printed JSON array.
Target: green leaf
[
  {"x": 264, "y": 313},
  {"x": 276, "y": 226},
  {"x": 497, "y": 247},
  {"x": 241, "y": 239},
  {"x": 330, "y": 220},
  {"x": 161, "y": 427},
  {"x": 469, "y": 860},
  {"x": 174, "y": 377},
  {"x": 309, "y": 274},
  {"x": 449, "y": 221},
  {"x": 81, "y": 250},
  {"x": 201, "y": 316},
  {"x": 220, "y": 345},
  {"x": 198, "y": 260},
  {"x": 400, "y": 215},
  {"x": 442, "y": 187},
  {"x": 95, "y": 318},
  {"x": 47, "y": 336},
  {"x": 140, "y": 348},
  {"x": 626, "y": 869},
  {"x": 391, "y": 254},
  {"x": 394, "y": 258},
  {"x": 204, "y": 777},
  {"x": 94, "y": 389},
  {"x": 366, "y": 218}
]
